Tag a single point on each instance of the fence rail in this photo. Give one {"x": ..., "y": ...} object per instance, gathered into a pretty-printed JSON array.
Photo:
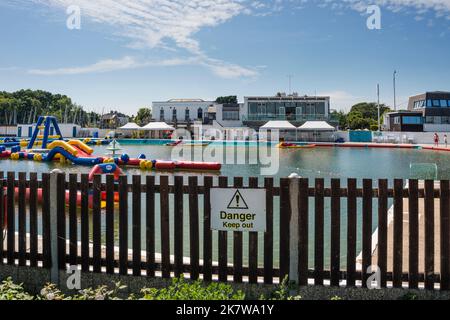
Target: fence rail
[{"x": 89, "y": 240}]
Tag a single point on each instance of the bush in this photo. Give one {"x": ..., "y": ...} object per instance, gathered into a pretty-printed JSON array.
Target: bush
[
  {"x": 180, "y": 289},
  {"x": 11, "y": 291},
  {"x": 282, "y": 292},
  {"x": 51, "y": 292}
]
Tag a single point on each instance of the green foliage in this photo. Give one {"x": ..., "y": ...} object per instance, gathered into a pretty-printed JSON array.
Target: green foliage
[
  {"x": 180, "y": 289},
  {"x": 282, "y": 292},
  {"x": 51, "y": 292},
  {"x": 341, "y": 117},
  {"x": 143, "y": 116},
  {"x": 361, "y": 116},
  {"x": 25, "y": 106},
  {"x": 11, "y": 291},
  {"x": 227, "y": 99},
  {"x": 409, "y": 296}
]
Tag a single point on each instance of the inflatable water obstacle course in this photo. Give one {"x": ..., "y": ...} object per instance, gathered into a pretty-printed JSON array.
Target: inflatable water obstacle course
[{"x": 44, "y": 147}]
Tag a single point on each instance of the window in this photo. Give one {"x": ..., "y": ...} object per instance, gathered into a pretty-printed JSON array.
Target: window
[
  {"x": 282, "y": 111},
  {"x": 186, "y": 115},
  {"x": 436, "y": 103},
  {"x": 448, "y": 103},
  {"x": 200, "y": 113},
  {"x": 253, "y": 108},
  {"x": 161, "y": 114},
  {"x": 397, "y": 120},
  {"x": 230, "y": 115},
  {"x": 429, "y": 103},
  {"x": 412, "y": 120},
  {"x": 174, "y": 114},
  {"x": 443, "y": 103}
]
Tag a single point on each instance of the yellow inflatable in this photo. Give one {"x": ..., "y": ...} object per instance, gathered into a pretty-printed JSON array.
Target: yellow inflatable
[
  {"x": 81, "y": 145},
  {"x": 64, "y": 145}
]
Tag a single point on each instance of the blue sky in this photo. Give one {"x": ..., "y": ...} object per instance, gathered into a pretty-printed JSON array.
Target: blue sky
[{"x": 130, "y": 53}]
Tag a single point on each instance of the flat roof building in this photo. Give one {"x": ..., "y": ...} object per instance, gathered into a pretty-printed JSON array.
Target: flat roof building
[{"x": 293, "y": 108}]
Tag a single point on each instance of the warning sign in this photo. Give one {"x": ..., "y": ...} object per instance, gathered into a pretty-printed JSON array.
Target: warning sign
[
  {"x": 238, "y": 209},
  {"x": 237, "y": 202}
]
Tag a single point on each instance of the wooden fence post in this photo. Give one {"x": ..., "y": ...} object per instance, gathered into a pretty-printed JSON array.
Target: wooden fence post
[
  {"x": 54, "y": 273},
  {"x": 294, "y": 229}
]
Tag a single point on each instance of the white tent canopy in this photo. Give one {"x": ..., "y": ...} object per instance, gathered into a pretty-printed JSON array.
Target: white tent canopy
[
  {"x": 278, "y": 125},
  {"x": 316, "y": 126},
  {"x": 130, "y": 126},
  {"x": 158, "y": 126}
]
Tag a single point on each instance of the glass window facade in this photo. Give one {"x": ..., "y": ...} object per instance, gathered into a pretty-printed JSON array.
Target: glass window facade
[
  {"x": 412, "y": 120},
  {"x": 230, "y": 115},
  {"x": 299, "y": 110}
]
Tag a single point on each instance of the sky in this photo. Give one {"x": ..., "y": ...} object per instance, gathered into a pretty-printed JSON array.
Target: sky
[{"x": 127, "y": 53}]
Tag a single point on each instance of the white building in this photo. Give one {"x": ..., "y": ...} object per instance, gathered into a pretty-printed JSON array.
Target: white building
[
  {"x": 182, "y": 111},
  {"x": 68, "y": 130}
]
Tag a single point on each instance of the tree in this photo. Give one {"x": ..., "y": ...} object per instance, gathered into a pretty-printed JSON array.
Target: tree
[
  {"x": 227, "y": 99},
  {"x": 143, "y": 116},
  {"x": 24, "y": 106},
  {"x": 365, "y": 116}
]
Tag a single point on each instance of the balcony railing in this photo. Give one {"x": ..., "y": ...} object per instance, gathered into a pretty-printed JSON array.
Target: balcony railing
[{"x": 303, "y": 117}]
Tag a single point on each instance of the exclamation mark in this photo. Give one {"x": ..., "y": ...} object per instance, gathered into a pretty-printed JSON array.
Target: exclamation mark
[{"x": 237, "y": 200}]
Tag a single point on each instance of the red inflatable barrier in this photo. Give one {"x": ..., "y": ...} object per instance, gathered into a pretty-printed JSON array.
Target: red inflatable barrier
[
  {"x": 190, "y": 165},
  {"x": 5, "y": 154},
  {"x": 165, "y": 165},
  {"x": 67, "y": 197}
]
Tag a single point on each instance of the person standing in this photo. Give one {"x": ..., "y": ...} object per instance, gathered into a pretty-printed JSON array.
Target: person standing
[
  {"x": 446, "y": 140},
  {"x": 436, "y": 140}
]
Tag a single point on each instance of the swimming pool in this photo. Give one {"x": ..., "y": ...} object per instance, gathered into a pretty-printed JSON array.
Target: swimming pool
[{"x": 328, "y": 163}]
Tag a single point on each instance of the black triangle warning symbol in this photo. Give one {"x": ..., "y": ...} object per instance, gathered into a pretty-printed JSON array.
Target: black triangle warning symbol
[{"x": 237, "y": 202}]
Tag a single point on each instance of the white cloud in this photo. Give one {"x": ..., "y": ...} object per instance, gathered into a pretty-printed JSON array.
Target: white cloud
[
  {"x": 173, "y": 24},
  {"x": 99, "y": 67},
  {"x": 158, "y": 23},
  {"x": 221, "y": 69}
]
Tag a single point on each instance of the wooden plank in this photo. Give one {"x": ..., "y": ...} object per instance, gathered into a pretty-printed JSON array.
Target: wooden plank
[
  {"x": 223, "y": 243},
  {"x": 165, "y": 226},
  {"x": 382, "y": 229},
  {"x": 207, "y": 233},
  {"x": 123, "y": 225},
  {"x": 398, "y": 234},
  {"x": 268, "y": 235},
  {"x": 429, "y": 235},
  {"x": 11, "y": 214},
  {"x": 2, "y": 218},
  {"x": 136, "y": 208},
  {"x": 351, "y": 231},
  {"x": 237, "y": 242},
  {"x": 61, "y": 220},
  {"x": 96, "y": 224},
  {"x": 150, "y": 221},
  {"x": 33, "y": 219},
  {"x": 73, "y": 230},
  {"x": 367, "y": 229},
  {"x": 109, "y": 221},
  {"x": 253, "y": 245},
  {"x": 413, "y": 204},
  {"x": 194, "y": 228},
  {"x": 178, "y": 226},
  {"x": 303, "y": 227},
  {"x": 285, "y": 217},
  {"x": 335, "y": 253},
  {"x": 319, "y": 231},
  {"x": 445, "y": 234},
  {"x": 47, "y": 261},
  {"x": 22, "y": 218},
  {"x": 85, "y": 223}
]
